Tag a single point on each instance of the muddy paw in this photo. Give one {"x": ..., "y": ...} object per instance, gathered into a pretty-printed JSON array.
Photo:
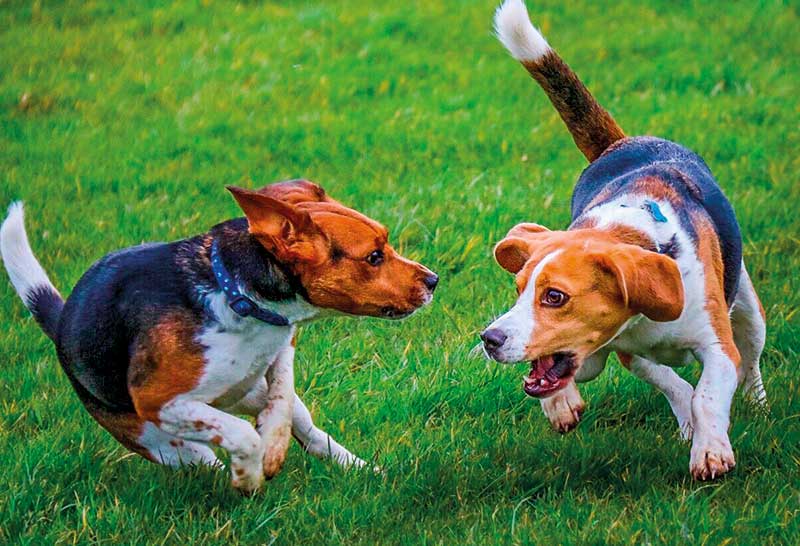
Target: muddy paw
[
  {"x": 247, "y": 482},
  {"x": 711, "y": 460}
]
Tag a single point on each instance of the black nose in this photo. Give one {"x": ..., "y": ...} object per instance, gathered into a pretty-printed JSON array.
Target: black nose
[
  {"x": 493, "y": 338},
  {"x": 431, "y": 281}
]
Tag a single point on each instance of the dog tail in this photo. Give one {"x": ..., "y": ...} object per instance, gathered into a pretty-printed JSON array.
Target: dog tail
[
  {"x": 29, "y": 279},
  {"x": 592, "y": 128}
]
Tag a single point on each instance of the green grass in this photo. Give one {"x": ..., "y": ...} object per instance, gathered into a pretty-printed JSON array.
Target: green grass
[{"x": 120, "y": 122}]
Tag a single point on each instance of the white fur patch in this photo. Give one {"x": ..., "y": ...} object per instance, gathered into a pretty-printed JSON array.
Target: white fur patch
[
  {"x": 240, "y": 349},
  {"x": 24, "y": 270},
  {"x": 669, "y": 343},
  {"x": 514, "y": 29},
  {"x": 519, "y": 322},
  {"x": 172, "y": 451}
]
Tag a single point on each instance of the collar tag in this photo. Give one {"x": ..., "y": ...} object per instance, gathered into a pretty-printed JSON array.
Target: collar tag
[
  {"x": 238, "y": 302},
  {"x": 654, "y": 210}
]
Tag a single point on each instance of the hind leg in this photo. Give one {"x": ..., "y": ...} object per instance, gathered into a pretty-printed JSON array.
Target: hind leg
[
  {"x": 749, "y": 334},
  {"x": 198, "y": 422},
  {"x": 149, "y": 441},
  {"x": 170, "y": 450}
]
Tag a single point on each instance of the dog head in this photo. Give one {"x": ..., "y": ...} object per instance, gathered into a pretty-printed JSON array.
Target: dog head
[
  {"x": 342, "y": 258},
  {"x": 576, "y": 291}
]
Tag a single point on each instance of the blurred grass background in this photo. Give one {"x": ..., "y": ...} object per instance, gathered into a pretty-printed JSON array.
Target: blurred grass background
[{"x": 121, "y": 122}]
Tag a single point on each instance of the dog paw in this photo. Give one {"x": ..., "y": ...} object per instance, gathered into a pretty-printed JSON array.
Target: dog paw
[
  {"x": 564, "y": 409},
  {"x": 276, "y": 446},
  {"x": 247, "y": 479},
  {"x": 711, "y": 459}
]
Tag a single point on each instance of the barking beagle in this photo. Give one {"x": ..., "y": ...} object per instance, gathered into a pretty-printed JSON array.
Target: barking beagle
[
  {"x": 650, "y": 267},
  {"x": 165, "y": 342}
]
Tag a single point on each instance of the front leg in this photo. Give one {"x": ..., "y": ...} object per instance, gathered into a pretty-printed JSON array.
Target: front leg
[
  {"x": 712, "y": 454},
  {"x": 274, "y": 421},
  {"x": 318, "y": 442},
  {"x": 565, "y": 408},
  {"x": 678, "y": 391}
]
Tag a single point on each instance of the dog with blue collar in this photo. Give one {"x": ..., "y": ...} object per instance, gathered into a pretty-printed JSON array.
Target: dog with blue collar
[{"x": 167, "y": 344}]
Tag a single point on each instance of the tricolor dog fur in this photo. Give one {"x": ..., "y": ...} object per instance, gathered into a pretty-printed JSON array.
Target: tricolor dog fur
[
  {"x": 650, "y": 267},
  {"x": 166, "y": 343}
]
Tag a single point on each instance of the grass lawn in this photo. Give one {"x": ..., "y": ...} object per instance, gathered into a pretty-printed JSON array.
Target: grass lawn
[{"x": 121, "y": 122}]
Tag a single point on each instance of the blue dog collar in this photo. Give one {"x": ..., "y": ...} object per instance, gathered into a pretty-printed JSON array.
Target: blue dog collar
[{"x": 238, "y": 302}]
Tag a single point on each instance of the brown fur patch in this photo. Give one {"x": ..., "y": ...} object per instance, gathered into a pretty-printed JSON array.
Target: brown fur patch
[
  {"x": 327, "y": 245},
  {"x": 126, "y": 428},
  {"x": 607, "y": 280},
  {"x": 632, "y": 236},
  {"x": 295, "y": 191},
  {"x": 350, "y": 283},
  {"x": 710, "y": 255},
  {"x": 592, "y": 315},
  {"x": 592, "y": 127},
  {"x": 167, "y": 361}
]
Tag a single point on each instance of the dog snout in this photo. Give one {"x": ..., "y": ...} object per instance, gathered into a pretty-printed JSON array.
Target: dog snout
[
  {"x": 431, "y": 281},
  {"x": 493, "y": 339}
]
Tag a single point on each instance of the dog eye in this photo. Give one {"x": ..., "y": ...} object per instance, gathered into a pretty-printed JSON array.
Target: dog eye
[
  {"x": 375, "y": 258},
  {"x": 554, "y": 298}
]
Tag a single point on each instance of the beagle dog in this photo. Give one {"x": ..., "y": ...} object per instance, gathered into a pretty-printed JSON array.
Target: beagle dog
[
  {"x": 650, "y": 267},
  {"x": 165, "y": 343}
]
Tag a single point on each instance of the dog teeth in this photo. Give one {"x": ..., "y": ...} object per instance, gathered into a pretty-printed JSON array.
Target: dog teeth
[
  {"x": 528, "y": 380},
  {"x": 543, "y": 382}
]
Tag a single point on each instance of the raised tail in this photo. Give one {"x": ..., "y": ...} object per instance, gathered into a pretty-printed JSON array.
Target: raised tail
[
  {"x": 592, "y": 128},
  {"x": 29, "y": 279}
]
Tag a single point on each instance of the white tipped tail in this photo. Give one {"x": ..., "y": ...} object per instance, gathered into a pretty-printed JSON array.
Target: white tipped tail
[
  {"x": 27, "y": 276},
  {"x": 592, "y": 128},
  {"x": 514, "y": 29}
]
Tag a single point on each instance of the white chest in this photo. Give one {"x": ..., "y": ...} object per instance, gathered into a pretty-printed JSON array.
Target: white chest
[
  {"x": 239, "y": 351},
  {"x": 668, "y": 343},
  {"x": 236, "y": 359}
]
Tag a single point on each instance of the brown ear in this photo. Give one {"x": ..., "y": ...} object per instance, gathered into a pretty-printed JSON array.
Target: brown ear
[
  {"x": 650, "y": 283},
  {"x": 513, "y": 251},
  {"x": 295, "y": 191},
  {"x": 526, "y": 228},
  {"x": 286, "y": 231}
]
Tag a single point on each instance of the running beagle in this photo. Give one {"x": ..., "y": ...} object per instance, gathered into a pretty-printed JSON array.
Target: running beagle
[
  {"x": 165, "y": 342},
  {"x": 650, "y": 267}
]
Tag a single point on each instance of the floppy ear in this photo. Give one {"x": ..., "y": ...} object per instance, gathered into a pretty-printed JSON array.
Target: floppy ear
[
  {"x": 650, "y": 283},
  {"x": 284, "y": 230},
  {"x": 513, "y": 251}
]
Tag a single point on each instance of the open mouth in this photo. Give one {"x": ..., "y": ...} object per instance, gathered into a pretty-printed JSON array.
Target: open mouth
[{"x": 548, "y": 374}]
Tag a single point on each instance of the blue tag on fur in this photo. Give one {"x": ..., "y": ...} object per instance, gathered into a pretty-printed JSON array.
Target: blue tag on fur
[{"x": 656, "y": 213}]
